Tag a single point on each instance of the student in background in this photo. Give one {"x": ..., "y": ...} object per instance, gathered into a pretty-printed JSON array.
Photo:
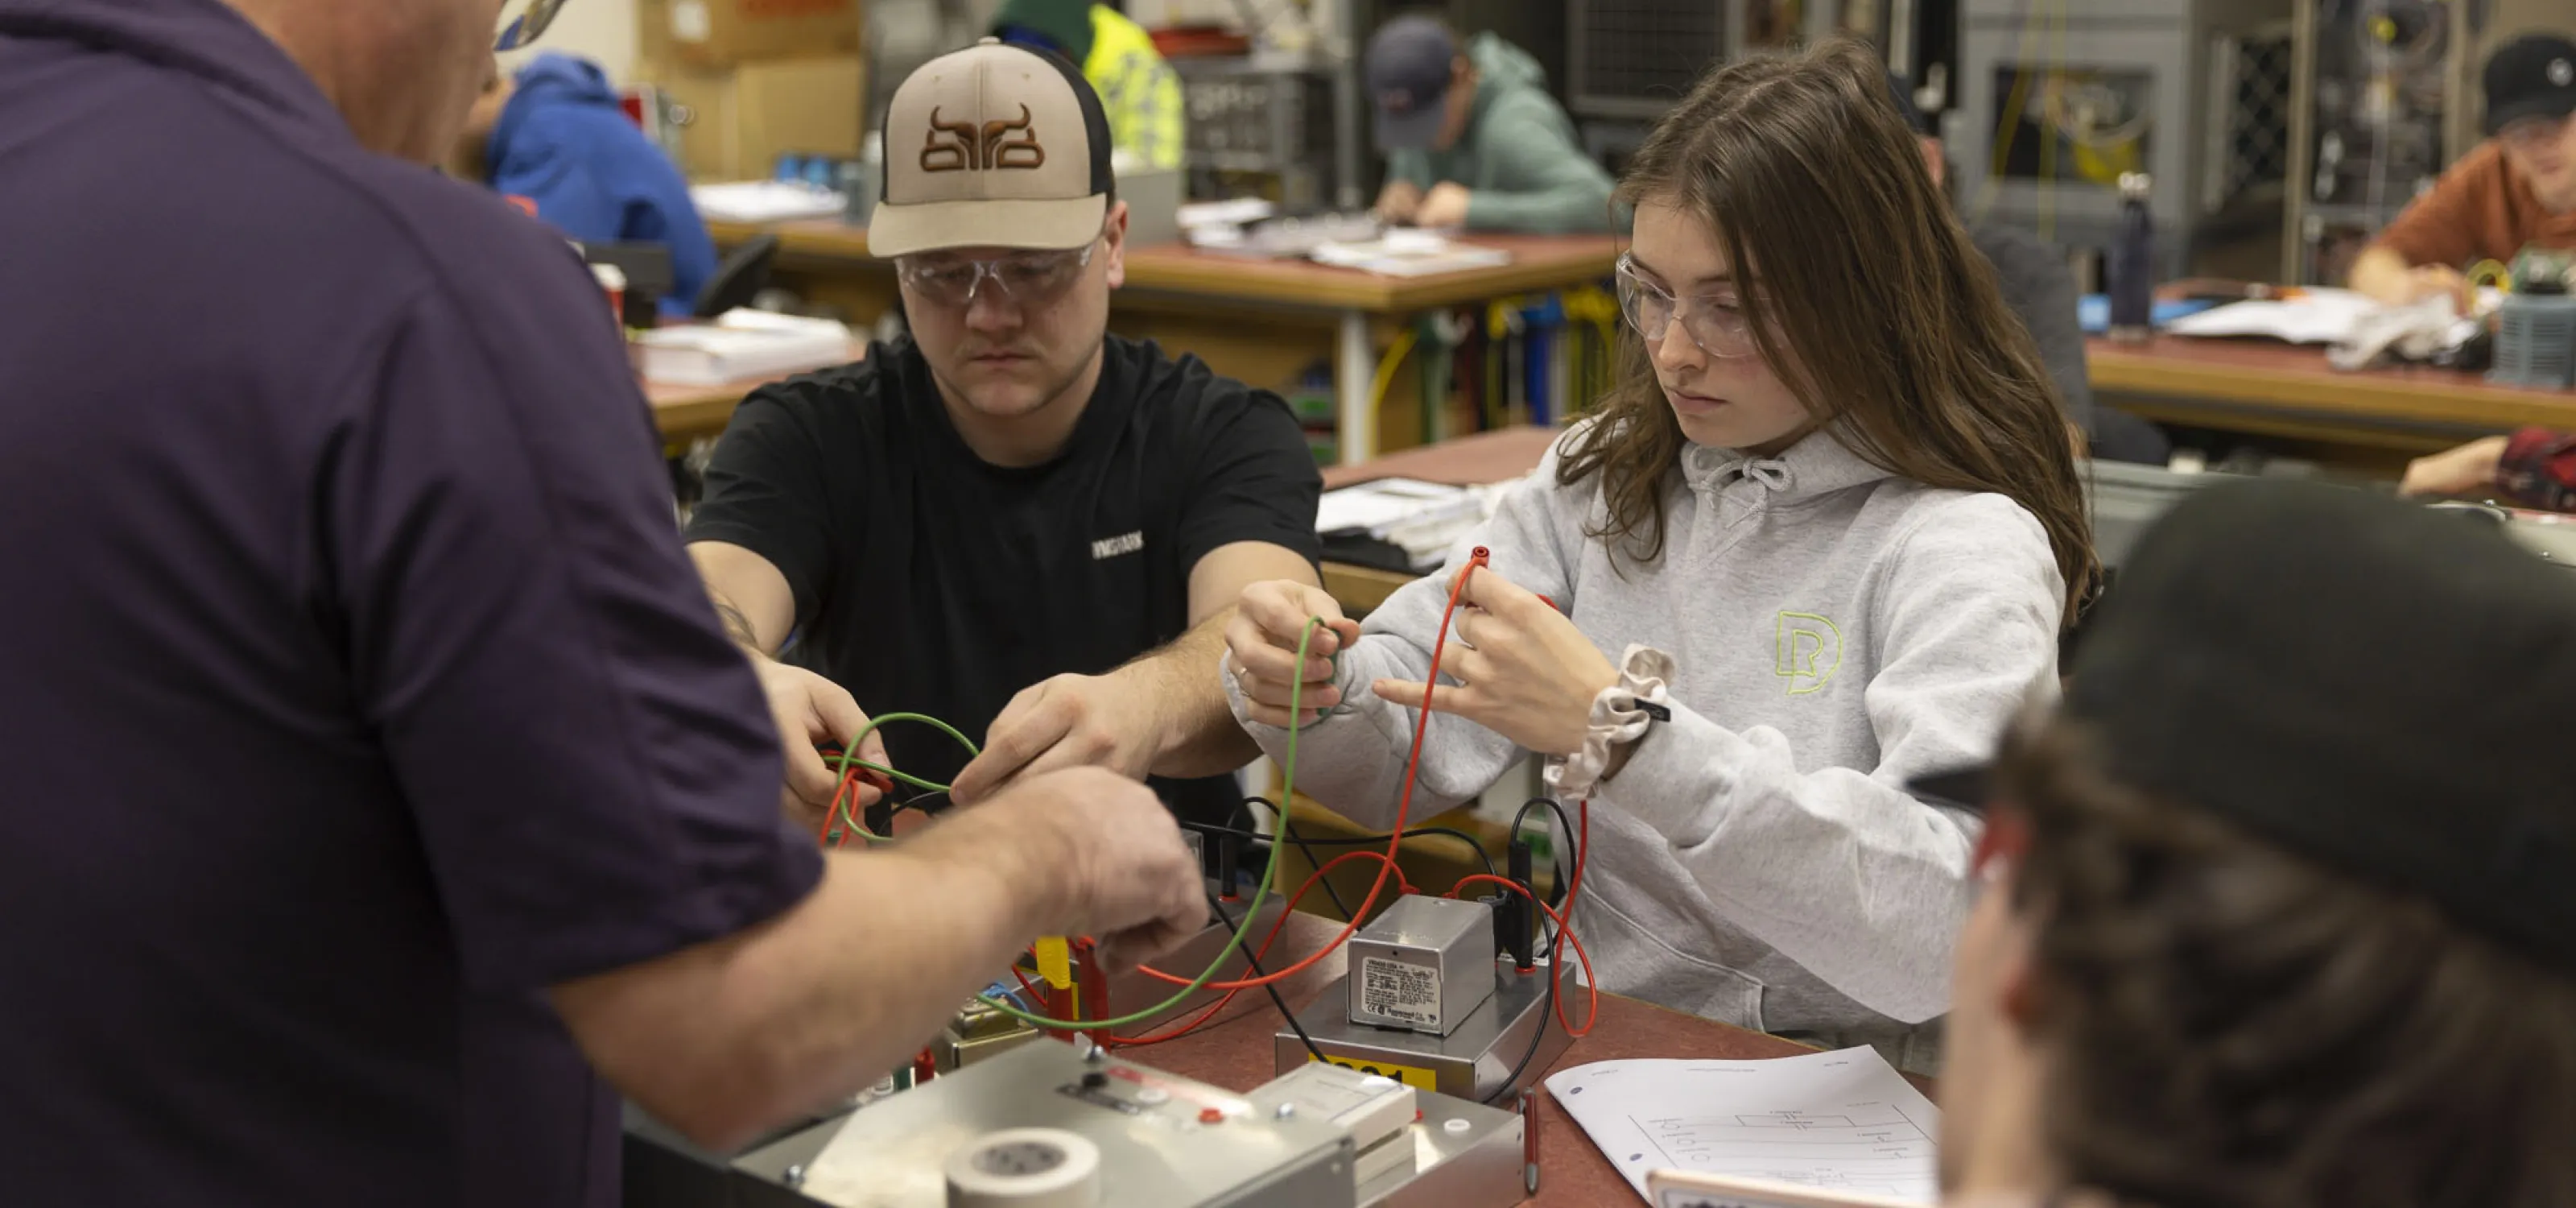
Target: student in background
[
  {"x": 2534, "y": 468},
  {"x": 1139, "y": 91},
  {"x": 2040, "y": 289},
  {"x": 2516, "y": 189},
  {"x": 1828, "y": 525},
  {"x": 2275, "y": 911},
  {"x": 1011, "y": 520},
  {"x": 554, "y": 133},
  {"x": 1473, "y": 140}
]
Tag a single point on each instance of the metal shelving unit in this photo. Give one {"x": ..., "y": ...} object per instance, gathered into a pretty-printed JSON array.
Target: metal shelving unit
[{"x": 2058, "y": 98}]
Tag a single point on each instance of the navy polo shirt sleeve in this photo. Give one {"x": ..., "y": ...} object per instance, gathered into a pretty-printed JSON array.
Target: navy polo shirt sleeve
[
  {"x": 1253, "y": 478},
  {"x": 767, "y": 492},
  {"x": 590, "y": 762}
]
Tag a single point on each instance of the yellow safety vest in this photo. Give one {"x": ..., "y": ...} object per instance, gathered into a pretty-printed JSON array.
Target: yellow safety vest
[{"x": 1140, "y": 92}]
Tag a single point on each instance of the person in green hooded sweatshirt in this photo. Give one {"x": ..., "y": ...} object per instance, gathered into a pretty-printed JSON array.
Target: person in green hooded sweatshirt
[
  {"x": 1138, "y": 90},
  {"x": 1473, "y": 140}
]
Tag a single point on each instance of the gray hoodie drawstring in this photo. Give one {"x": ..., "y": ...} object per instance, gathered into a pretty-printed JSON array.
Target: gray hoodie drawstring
[{"x": 1773, "y": 474}]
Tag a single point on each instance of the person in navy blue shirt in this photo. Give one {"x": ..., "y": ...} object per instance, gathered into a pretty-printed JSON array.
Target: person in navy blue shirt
[
  {"x": 554, "y": 133},
  {"x": 382, "y": 794}
]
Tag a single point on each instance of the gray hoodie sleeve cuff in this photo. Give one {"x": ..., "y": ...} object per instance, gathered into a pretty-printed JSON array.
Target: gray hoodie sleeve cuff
[
  {"x": 1681, "y": 777},
  {"x": 1344, "y": 757}
]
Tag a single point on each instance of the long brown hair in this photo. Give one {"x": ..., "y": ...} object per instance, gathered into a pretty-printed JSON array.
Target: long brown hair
[
  {"x": 2228, "y": 1024},
  {"x": 1872, "y": 306}
]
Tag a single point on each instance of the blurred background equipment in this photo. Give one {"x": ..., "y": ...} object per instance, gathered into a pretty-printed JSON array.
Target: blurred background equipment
[
  {"x": 2383, "y": 77},
  {"x": 1629, "y": 60},
  {"x": 2059, "y": 98},
  {"x": 1260, "y": 129},
  {"x": 2390, "y": 96},
  {"x": 2535, "y": 339}
]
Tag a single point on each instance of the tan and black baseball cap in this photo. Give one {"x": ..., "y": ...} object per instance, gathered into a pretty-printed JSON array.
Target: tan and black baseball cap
[{"x": 992, "y": 146}]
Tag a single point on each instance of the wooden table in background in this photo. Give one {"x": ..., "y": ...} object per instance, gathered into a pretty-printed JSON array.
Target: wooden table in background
[
  {"x": 1230, "y": 310},
  {"x": 2376, "y": 417},
  {"x": 686, "y": 413},
  {"x": 1237, "y": 1053}
]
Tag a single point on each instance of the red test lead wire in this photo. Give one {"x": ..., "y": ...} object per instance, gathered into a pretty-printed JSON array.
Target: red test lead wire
[
  {"x": 1403, "y": 806},
  {"x": 1557, "y": 968},
  {"x": 1166, "y": 1030},
  {"x": 847, "y": 792}
]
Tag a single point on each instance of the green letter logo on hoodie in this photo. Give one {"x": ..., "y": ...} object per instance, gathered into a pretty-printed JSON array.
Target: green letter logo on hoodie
[{"x": 1808, "y": 650}]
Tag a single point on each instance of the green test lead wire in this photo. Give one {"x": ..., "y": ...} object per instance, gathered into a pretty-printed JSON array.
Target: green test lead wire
[
  {"x": 1269, "y": 871},
  {"x": 848, "y": 759}
]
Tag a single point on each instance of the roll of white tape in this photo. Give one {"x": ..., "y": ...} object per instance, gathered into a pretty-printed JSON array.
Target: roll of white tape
[{"x": 1025, "y": 1168}]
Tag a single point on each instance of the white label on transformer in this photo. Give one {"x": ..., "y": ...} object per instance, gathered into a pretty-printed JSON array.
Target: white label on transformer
[{"x": 1399, "y": 990}]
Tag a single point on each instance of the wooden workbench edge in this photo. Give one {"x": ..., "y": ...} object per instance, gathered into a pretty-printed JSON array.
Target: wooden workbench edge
[{"x": 2390, "y": 396}]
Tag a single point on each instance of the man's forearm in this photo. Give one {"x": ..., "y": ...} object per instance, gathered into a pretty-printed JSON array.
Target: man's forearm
[
  {"x": 826, "y": 999},
  {"x": 850, "y": 992},
  {"x": 1199, "y": 735},
  {"x": 752, "y": 599},
  {"x": 736, "y": 625}
]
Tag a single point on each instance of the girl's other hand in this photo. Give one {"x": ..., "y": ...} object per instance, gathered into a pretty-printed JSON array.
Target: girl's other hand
[{"x": 1523, "y": 670}]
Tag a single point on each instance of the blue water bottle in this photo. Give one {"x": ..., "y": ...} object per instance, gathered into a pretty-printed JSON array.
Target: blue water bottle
[{"x": 2133, "y": 263}]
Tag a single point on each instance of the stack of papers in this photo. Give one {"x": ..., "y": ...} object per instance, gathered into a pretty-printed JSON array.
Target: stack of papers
[
  {"x": 2318, "y": 316},
  {"x": 1422, "y": 518},
  {"x": 1282, "y": 238},
  {"x": 1221, "y": 224},
  {"x": 767, "y": 201},
  {"x": 1842, "y": 1121},
  {"x": 1409, "y": 254},
  {"x": 1382, "y": 505},
  {"x": 742, "y": 345},
  {"x": 1237, "y": 212}
]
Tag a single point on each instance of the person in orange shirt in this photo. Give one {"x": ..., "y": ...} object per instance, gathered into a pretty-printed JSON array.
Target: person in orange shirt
[{"x": 2516, "y": 189}]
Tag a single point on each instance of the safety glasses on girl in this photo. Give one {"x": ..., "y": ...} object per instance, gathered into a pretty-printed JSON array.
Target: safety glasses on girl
[{"x": 1714, "y": 324}]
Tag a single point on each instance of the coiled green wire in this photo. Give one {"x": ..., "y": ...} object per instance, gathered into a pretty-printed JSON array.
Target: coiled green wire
[{"x": 1269, "y": 873}]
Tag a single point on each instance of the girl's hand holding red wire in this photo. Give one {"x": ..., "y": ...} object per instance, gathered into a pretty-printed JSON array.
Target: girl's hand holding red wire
[
  {"x": 1261, "y": 650},
  {"x": 1523, "y": 670}
]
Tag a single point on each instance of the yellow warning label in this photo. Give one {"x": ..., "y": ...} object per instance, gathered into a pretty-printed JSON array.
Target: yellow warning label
[{"x": 1411, "y": 1075}]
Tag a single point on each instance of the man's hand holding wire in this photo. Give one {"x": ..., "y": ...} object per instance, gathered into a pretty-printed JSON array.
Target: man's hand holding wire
[
  {"x": 1104, "y": 856},
  {"x": 1064, "y": 722},
  {"x": 812, "y": 711},
  {"x": 1261, "y": 650}
]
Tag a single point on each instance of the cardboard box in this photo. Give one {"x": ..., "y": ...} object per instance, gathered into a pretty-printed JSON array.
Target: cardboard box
[
  {"x": 733, "y": 125},
  {"x": 708, "y": 35}
]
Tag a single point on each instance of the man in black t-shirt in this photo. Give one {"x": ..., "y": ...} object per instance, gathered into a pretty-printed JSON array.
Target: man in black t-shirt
[{"x": 1011, "y": 521}]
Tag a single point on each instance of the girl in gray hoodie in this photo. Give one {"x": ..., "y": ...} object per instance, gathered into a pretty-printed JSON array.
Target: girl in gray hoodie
[{"x": 1820, "y": 541}]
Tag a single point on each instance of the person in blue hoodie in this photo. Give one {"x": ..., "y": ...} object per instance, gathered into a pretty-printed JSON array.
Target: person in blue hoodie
[{"x": 556, "y": 135}]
